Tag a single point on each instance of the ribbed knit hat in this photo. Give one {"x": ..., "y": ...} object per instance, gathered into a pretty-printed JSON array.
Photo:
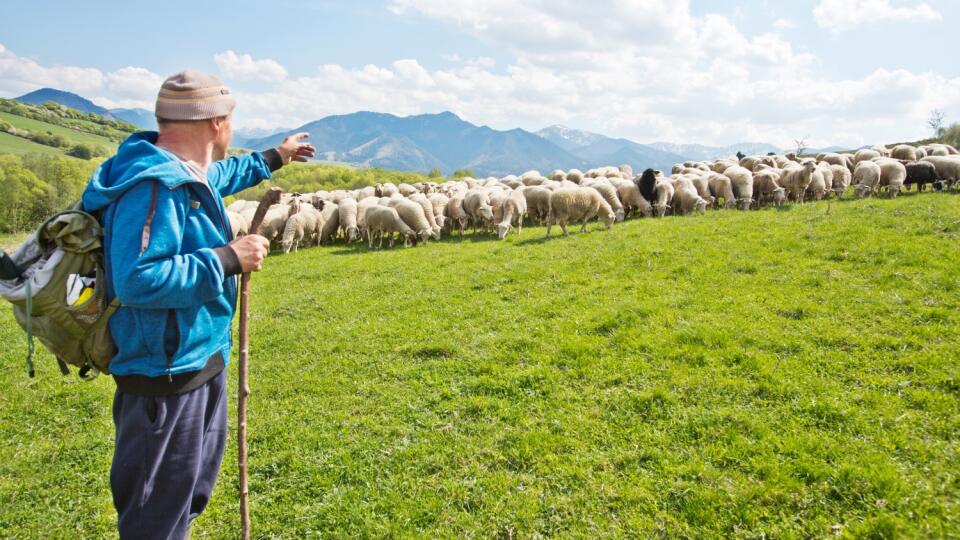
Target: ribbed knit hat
[{"x": 191, "y": 95}]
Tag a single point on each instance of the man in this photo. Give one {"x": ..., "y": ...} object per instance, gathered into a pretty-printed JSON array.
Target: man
[{"x": 171, "y": 262}]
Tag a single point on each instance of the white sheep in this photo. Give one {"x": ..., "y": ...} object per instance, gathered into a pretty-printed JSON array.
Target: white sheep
[
  {"x": 331, "y": 223},
  {"x": 427, "y": 206},
  {"x": 741, "y": 180},
  {"x": 609, "y": 194},
  {"x": 238, "y": 223},
  {"x": 632, "y": 201},
  {"x": 580, "y": 204},
  {"x": 413, "y": 215},
  {"x": 347, "y": 215},
  {"x": 538, "y": 202},
  {"x": 663, "y": 195},
  {"x": 574, "y": 175},
  {"x": 866, "y": 178},
  {"x": 948, "y": 168},
  {"x": 382, "y": 220},
  {"x": 721, "y": 188},
  {"x": 303, "y": 228},
  {"x": 892, "y": 176},
  {"x": 904, "y": 151},
  {"x": 686, "y": 199},
  {"x": 796, "y": 179},
  {"x": 766, "y": 187},
  {"x": 841, "y": 179},
  {"x": 513, "y": 208},
  {"x": 457, "y": 217}
]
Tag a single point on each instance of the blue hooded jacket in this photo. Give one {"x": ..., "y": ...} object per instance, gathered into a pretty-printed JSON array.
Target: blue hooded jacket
[{"x": 176, "y": 301}]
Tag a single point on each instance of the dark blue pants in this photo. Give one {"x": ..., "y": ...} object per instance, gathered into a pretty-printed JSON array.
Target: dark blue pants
[{"x": 167, "y": 457}]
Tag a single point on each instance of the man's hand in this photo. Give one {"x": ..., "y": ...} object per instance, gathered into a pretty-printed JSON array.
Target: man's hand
[
  {"x": 291, "y": 149},
  {"x": 251, "y": 250}
]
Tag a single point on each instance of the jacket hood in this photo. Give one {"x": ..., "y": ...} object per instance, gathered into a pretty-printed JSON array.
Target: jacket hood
[{"x": 137, "y": 159}]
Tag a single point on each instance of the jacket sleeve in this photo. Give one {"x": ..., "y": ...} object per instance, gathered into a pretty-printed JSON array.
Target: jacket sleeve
[
  {"x": 237, "y": 173},
  {"x": 147, "y": 268}
]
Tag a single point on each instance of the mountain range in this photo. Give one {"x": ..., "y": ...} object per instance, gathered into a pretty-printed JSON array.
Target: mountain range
[
  {"x": 444, "y": 141},
  {"x": 141, "y": 118}
]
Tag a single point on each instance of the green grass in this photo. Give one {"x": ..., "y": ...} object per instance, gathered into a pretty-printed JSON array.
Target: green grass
[
  {"x": 73, "y": 135},
  {"x": 780, "y": 374},
  {"x": 11, "y": 144}
]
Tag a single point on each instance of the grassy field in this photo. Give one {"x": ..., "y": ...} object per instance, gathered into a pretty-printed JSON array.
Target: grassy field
[
  {"x": 767, "y": 374},
  {"x": 11, "y": 144},
  {"x": 75, "y": 136}
]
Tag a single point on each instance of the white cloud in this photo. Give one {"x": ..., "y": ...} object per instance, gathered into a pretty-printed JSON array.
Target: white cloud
[
  {"x": 784, "y": 24},
  {"x": 244, "y": 67},
  {"x": 129, "y": 86},
  {"x": 842, "y": 15}
]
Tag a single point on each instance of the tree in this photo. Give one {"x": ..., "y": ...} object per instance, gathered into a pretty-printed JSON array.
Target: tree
[
  {"x": 463, "y": 173},
  {"x": 936, "y": 122},
  {"x": 801, "y": 145},
  {"x": 80, "y": 151},
  {"x": 435, "y": 173}
]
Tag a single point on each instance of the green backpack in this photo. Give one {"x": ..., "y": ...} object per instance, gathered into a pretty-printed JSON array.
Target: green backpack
[{"x": 56, "y": 283}]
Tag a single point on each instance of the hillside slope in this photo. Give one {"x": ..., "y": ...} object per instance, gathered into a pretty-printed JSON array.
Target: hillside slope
[{"x": 782, "y": 374}]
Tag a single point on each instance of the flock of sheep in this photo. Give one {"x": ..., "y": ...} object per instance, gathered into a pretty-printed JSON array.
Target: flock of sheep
[{"x": 417, "y": 212}]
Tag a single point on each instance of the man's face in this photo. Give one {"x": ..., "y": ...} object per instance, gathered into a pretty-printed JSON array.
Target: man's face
[{"x": 224, "y": 136}]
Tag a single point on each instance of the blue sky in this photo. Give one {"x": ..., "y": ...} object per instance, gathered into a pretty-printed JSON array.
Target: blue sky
[{"x": 718, "y": 71}]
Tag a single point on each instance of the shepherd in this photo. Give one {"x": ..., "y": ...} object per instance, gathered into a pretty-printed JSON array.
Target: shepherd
[{"x": 172, "y": 262}]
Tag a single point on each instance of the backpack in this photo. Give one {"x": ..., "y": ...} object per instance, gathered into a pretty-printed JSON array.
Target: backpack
[{"x": 57, "y": 285}]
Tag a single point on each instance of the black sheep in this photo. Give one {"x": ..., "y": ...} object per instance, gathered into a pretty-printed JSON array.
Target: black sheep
[
  {"x": 920, "y": 173},
  {"x": 646, "y": 185}
]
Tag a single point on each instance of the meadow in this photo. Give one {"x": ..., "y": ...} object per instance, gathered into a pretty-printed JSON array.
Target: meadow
[{"x": 777, "y": 373}]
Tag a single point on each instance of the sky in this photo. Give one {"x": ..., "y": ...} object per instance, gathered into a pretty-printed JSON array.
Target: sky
[{"x": 833, "y": 72}]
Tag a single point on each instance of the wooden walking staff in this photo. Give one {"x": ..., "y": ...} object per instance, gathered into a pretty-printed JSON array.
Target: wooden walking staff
[{"x": 270, "y": 198}]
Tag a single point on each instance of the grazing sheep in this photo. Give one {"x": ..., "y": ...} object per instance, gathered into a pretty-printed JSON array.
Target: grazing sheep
[
  {"x": 866, "y": 178},
  {"x": 385, "y": 190},
  {"x": 513, "y": 208},
  {"x": 626, "y": 171},
  {"x": 476, "y": 203},
  {"x": 575, "y": 176},
  {"x": 609, "y": 194},
  {"x": 580, "y": 204},
  {"x": 702, "y": 184},
  {"x": 407, "y": 189},
  {"x": 382, "y": 220},
  {"x": 456, "y": 216},
  {"x": 424, "y": 202},
  {"x": 663, "y": 195},
  {"x": 276, "y": 219},
  {"x": 414, "y": 216},
  {"x": 920, "y": 173},
  {"x": 766, "y": 187},
  {"x": 303, "y": 228},
  {"x": 892, "y": 175},
  {"x": 817, "y": 187},
  {"x": 331, "y": 223},
  {"x": 721, "y": 188},
  {"x": 362, "y": 207},
  {"x": 439, "y": 203},
  {"x": 347, "y": 214},
  {"x": 538, "y": 202},
  {"x": 632, "y": 201},
  {"x": 948, "y": 168},
  {"x": 841, "y": 179},
  {"x": 558, "y": 175},
  {"x": 797, "y": 179},
  {"x": 686, "y": 199},
  {"x": 741, "y": 180},
  {"x": 837, "y": 159},
  {"x": 864, "y": 155},
  {"x": 647, "y": 184},
  {"x": 905, "y": 152},
  {"x": 239, "y": 224}
]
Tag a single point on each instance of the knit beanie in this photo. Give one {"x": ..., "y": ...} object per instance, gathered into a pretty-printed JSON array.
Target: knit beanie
[{"x": 191, "y": 95}]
